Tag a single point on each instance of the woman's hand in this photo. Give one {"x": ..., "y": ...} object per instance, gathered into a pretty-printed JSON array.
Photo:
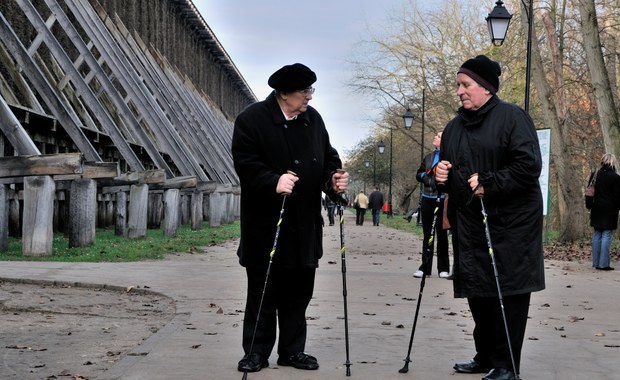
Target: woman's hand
[{"x": 286, "y": 183}]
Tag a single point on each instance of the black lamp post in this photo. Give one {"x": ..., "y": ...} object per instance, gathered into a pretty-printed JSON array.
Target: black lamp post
[
  {"x": 367, "y": 165},
  {"x": 498, "y": 21},
  {"x": 381, "y": 147},
  {"x": 408, "y": 122}
]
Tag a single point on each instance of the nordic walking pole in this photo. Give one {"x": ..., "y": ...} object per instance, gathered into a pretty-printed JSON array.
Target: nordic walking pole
[
  {"x": 425, "y": 257},
  {"x": 341, "y": 205},
  {"x": 262, "y": 297},
  {"x": 499, "y": 291}
]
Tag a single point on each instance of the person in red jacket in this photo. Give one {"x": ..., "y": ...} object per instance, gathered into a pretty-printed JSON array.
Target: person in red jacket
[{"x": 281, "y": 148}]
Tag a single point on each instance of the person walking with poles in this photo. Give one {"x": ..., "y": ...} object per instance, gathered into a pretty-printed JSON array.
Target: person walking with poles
[
  {"x": 375, "y": 202},
  {"x": 283, "y": 157},
  {"x": 426, "y": 176},
  {"x": 490, "y": 163}
]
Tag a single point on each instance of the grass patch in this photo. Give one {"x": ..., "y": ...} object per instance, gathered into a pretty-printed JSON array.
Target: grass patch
[{"x": 111, "y": 248}]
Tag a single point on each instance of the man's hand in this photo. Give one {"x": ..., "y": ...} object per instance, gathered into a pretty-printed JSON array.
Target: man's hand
[
  {"x": 286, "y": 183},
  {"x": 441, "y": 171},
  {"x": 340, "y": 181},
  {"x": 476, "y": 187}
]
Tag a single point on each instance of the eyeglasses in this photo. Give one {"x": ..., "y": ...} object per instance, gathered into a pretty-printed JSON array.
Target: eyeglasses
[{"x": 307, "y": 91}]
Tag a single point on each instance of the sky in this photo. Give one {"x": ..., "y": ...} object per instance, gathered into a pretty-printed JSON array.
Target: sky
[{"x": 262, "y": 36}]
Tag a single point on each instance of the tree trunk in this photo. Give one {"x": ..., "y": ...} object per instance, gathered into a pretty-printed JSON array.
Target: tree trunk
[
  {"x": 571, "y": 220},
  {"x": 600, "y": 77}
]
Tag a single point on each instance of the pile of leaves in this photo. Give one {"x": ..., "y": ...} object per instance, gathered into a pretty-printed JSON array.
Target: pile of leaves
[{"x": 575, "y": 251}]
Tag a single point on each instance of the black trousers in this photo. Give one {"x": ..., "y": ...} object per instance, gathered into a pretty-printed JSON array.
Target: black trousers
[
  {"x": 286, "y": 300},
  {"x": 490, "y": 333},
  {"x": 359, "y": 216},
  {"x": 330, "y": 214},
  {"x": 427, "y": 208}
]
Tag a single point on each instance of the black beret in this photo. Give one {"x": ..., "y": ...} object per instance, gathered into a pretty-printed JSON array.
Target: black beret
[
  {"x": 484, "y": 71},
  {"x": 292, "y": 78}
]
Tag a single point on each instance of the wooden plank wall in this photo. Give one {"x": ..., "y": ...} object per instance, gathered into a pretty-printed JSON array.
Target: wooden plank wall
[{"x": 144, "y": 85}]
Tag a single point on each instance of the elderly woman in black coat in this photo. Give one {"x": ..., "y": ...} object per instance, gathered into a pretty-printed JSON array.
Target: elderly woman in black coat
[
  {"x": 280, "y": 147},
  {"x": 604, "y": 208}
]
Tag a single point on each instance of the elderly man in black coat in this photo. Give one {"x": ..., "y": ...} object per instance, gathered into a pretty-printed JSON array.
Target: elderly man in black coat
[
  {"x": 280, "y": 148},
  {"x": 490, "y": 150}
]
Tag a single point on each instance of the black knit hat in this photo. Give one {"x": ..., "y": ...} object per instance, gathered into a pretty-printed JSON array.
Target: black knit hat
[
  {"x": 292, "y": 77},
  {"x": 484, "y": 71}
]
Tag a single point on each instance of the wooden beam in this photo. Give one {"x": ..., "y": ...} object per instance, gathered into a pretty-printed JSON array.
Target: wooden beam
[
  {"x": 176, "y": 183},
  {"x": 40, "y": 165},
  {"x": 134, "y": 178},
  {"x": 93, "y": 170}
]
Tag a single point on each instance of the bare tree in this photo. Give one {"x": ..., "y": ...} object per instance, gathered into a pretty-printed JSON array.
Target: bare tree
[{"x": 599, "y": 75}]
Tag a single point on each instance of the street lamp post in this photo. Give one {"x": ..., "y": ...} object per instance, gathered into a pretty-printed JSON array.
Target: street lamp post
[
  {"x": 381, "y": 147},
  {"x": 367, "y": 165},
  {"x": 498, "y": 21},
  {"x": 408, "y": 120}
]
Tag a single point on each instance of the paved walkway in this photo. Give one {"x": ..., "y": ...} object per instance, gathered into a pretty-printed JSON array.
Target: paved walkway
[{"x": 573, "y": 333}]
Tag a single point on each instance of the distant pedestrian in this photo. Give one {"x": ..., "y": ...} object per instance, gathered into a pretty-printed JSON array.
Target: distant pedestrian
[
  {"x": 330, "y": 207},
  {"x": 361, "y": 204},
  {"x": 375, "y": 202},
  {"x": 604, "y": 208},
  {"x": 428, "y": 206}
]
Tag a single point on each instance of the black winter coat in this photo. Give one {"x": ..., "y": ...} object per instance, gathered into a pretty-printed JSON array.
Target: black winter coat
[
  {"x": 264, "y": 146},
  {"x": 498, "y": 142},
  {"x": 604, "y": 209}
]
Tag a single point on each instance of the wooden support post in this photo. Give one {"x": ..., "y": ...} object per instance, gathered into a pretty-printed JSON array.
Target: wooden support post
[
  {"x": 100, "y": 205},
  {"x": 216, "y": 209},
  {"x": 82, "y": 212},
  {"x": 185, "y": 207},
  {"x": 120, "y": 224},
  {"x": 196, "y": 210},
  {"x": 37, "y": 231},
  {"x": 109, "y": 210},
  {"x": 4, "y": 218},
  {"x": 171, "y": 212},
  {"x": 138, "y": 203},
  {"x": 63, "y": 212},
  {"x": 15, "y": 220},
  {"x": 155, "y": 209}
]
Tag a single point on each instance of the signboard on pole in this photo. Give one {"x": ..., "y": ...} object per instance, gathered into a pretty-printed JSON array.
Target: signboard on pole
[{"x": 544, "y": 139}]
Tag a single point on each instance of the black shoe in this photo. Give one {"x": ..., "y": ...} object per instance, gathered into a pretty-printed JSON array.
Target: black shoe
[
  {"x": 252, "y": 363},
  {"x": 500, "y": 374},
  {"x": 300, "y": 360},
  {"x": 605, "y": 268},
  {"x": 470, "y": 367}
]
